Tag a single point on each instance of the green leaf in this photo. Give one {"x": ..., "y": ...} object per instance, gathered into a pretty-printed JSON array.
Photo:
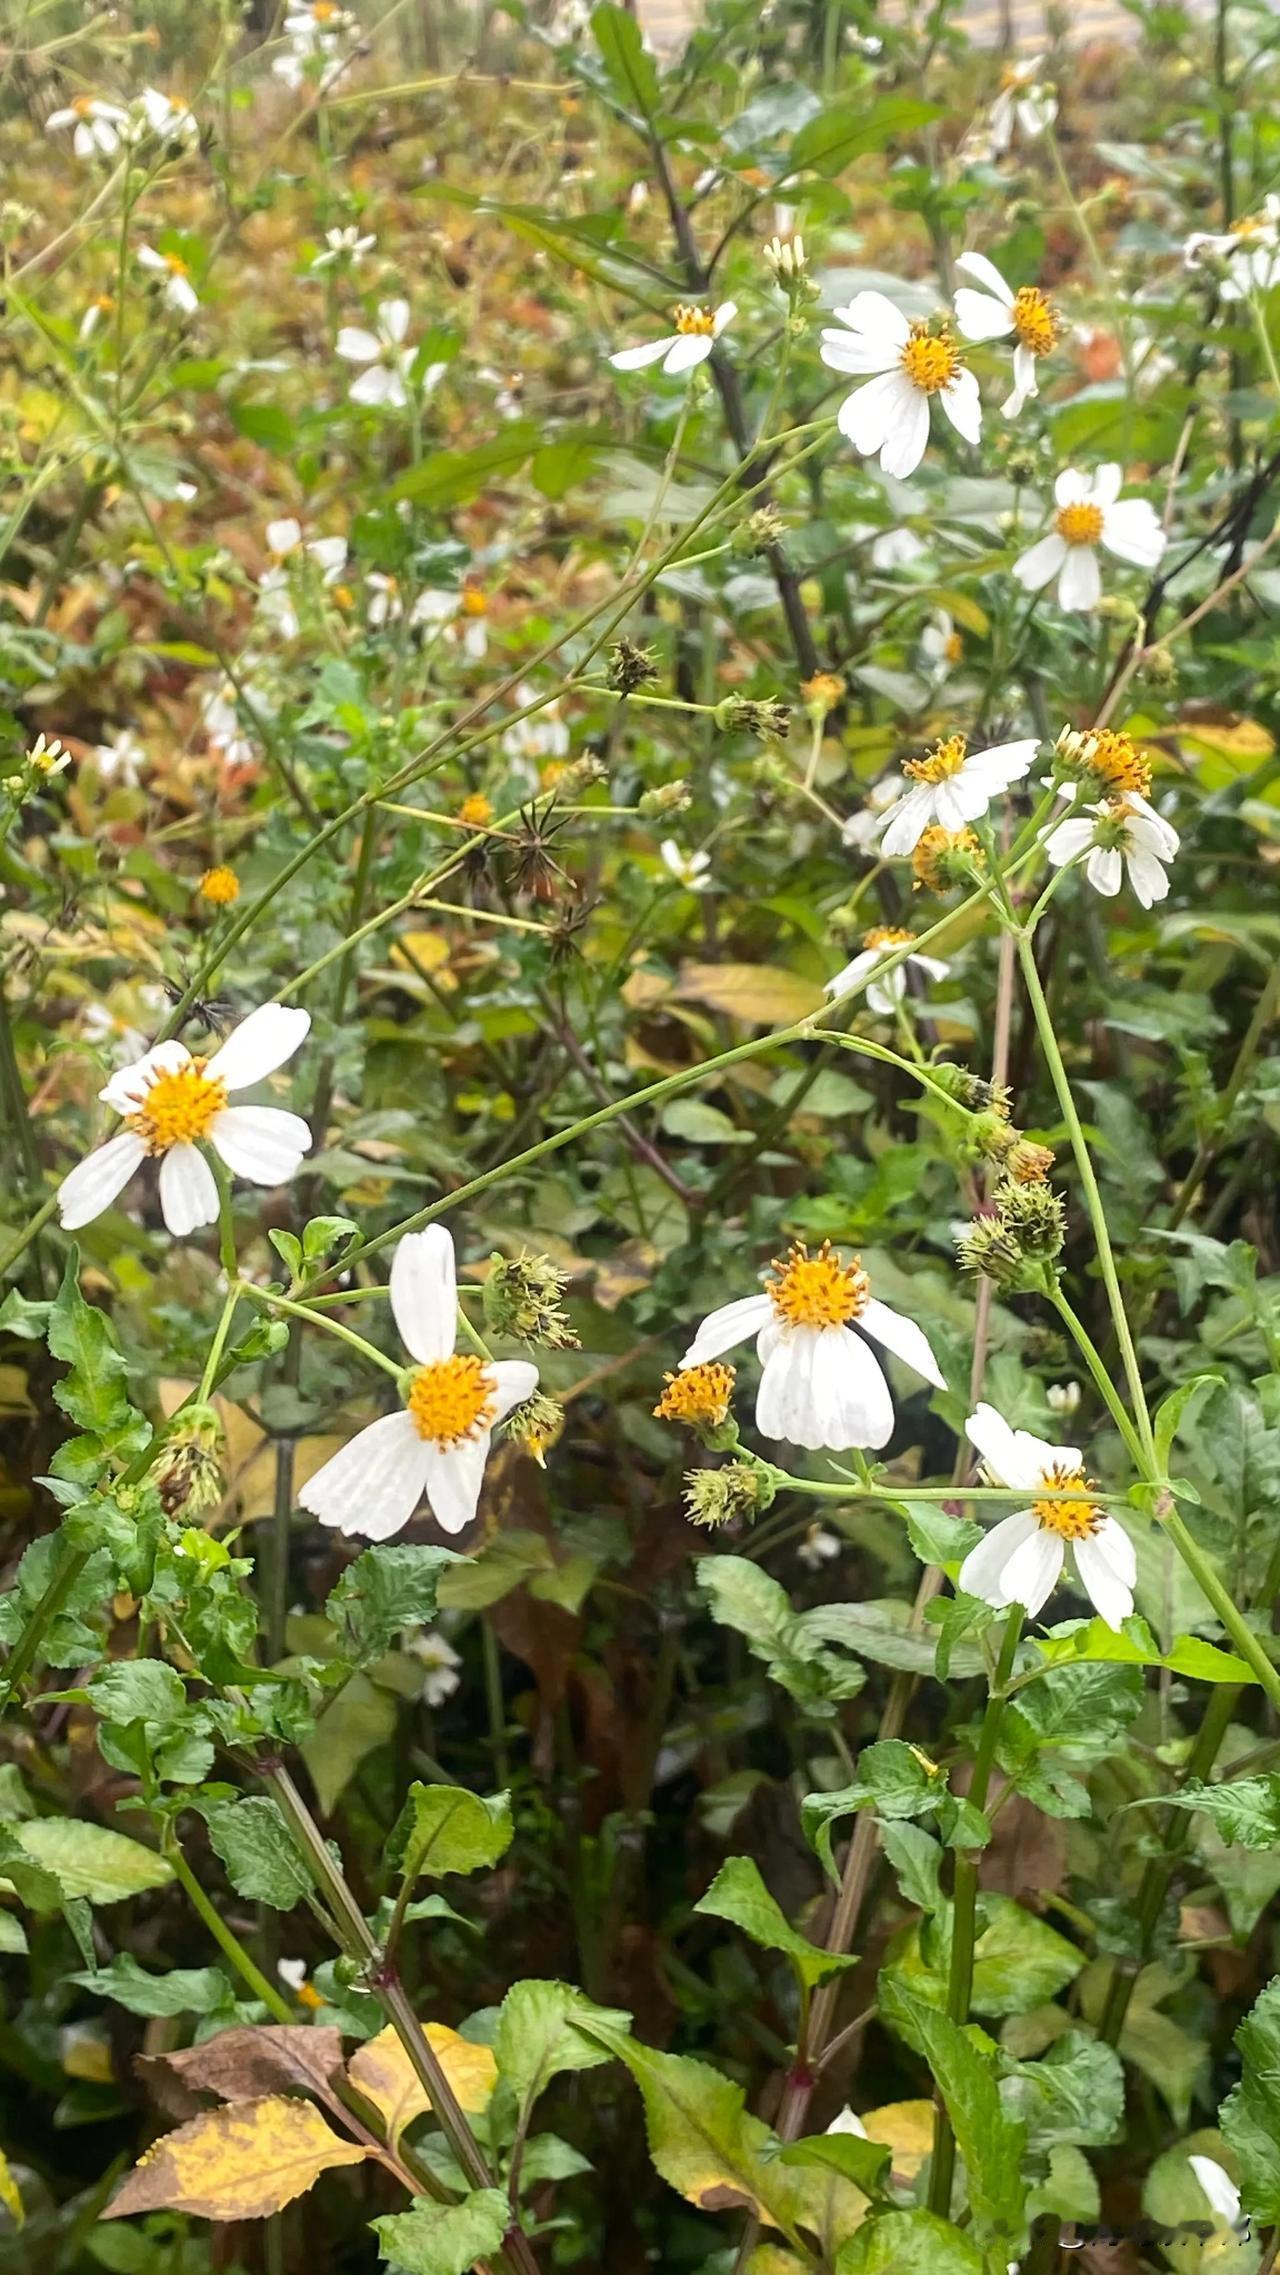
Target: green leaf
[
  {"x": 1250, "y": 2115},
  {"x": 93, "y": 1393},
  {"x": 444, "y": 2239},
  {"x": 1073, "y": 2095},
  {"x": 443, "y": 1828},
  {"x": 991, "y": 2143},
  {"x": 383, "y": 1593},
  {"x": 267, "y": 424},
  {"x": 537, "y": 2038},
  {"x": 865, "y": 2163},
  {"x": 894, "y": 1779},
  {"x": 917, "y": 1860},
  {"x": 909, "y": 2243},
  {"x": 1135, "y": 1646},
  {"x": 184, "y": 1990},
  {"x": 91, "y": 1861},
  {"x": 138, "y": 1690},
  {"x": 879, "y": 1630},
  {"x": 741, "y": 1596},
  {"x": 936, "y": 1536},
  {"x": 628, "y": 65},
  {"x": 1244, "y": 1810},
  {"x": 836, "y": 137},
  {"x": 262, "y": 1859},
  {"x": 361, "y": 1718},
  {"x": 33, "y": 1884},
  {"x": 449, "y": 477},
  {"x": 1169, "y": 1414},
  {"x": 739, "y": 1894}
]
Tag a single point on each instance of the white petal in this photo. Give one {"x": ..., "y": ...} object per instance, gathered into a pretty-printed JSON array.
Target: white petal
[
  {"x": 515, "y": 1380},
  {"x": 860, "y": 354},
  {"x": 907, "y": 430},
  {"x": 724, "y": 316},
  {"x": 852, "y": 973},
  {"x": 1221, "y": 2191},
  {"x": 1004, "y": 762},
  {"x": 884, "y": 996},
  {"x": 260, "y": 1044},
  {"x": 1104, "y": 488},
  {"x": 908, "y": 820},
  {"x": 424, "y": 1294},
  {"x": 1033, "y": 1571},
  {"x": 1080, "y": 583},
  {"x": 374, "y": 1485},
  {"x": 1007, "y": 1453},
  {"x": 129, "y": 1085},
  {"x": 262, "y": 1143},
  {"x": 786, "y": 1406},
  {"x": 731, "y": 1323},
  {"x": 1068, "y": 841},
  {"x": 1112, "y": 1543},
  {"x": 1106, "y": 1591},
  {"x": 1071, "y": 488},
  {"x": 636, "y": 359},
  {"x": 1041, "y": 561},
  {"x": 188, "y": 1191},
  {"x": 393, "y": 320},
  {"x": 982, "y": 1572},
  {"x": 988, "y": 276},
  {"x": 980, "y": 317},
  {"x": 1131, "y": 530},
  {"x": 357, "y": 345},
  {"x": 1146, "y": 876},
  {"x": 282, "y": 536},
  {"x": 865, "y": 417},
  {"x": 93, "y": 1185},
  {"x": 850, "y": 1382},
  {"x": 963, "y": 406},
  {"x": 454, "y": 1479},
  {"x": 688, "y": 349},
  {"x": 378, "y": 386},
  {"x": 874, "y": 313},
  {"x": 1103, "y": 870},
  {"x": 903, "y": 1338}
]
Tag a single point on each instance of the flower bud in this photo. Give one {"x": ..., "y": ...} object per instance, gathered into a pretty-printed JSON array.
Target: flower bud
[
  {"x": 990, "y": 1250},
  {"x": 522, "y": 1298},
  {"x": 946, "y": 857},
  {"x": 535, "y": 1424},
  {"x": 715, "y": 1497},
  {"x": 664, "y": 798},
  {"x": 188, "y": 1475},
  {"x": 767, "y": 720},
  {"x": 631, "y": 667}
]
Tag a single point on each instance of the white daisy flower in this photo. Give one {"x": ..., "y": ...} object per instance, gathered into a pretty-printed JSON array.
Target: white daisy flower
[
  {"x": 440, "y": 1664},
  {"x": 388, "y": 361},
  {"x": 1090, "y": 513},
  {"x": 952, "y": 785},
  {"x": 221, "y": 721},
  {"x": 822, "y": 1384},
  {"x": 96, "y": 127},
  {"x": 1121, "y": 833},
  {"x": 997, "y": 312},
  {"x": 1020, "y": 1560},
  {"x": 171, "y": 1100},
  {"x": 177, "y": 292},
  {"x": 285, "y": 544},
  {"x": 104, "y": 1030},
  {"x": 884, "y": 996},
  {"x": 1256, "y": 236},
  {"x": 696, "y": 333},
  {"x": 821, "y": 1546},
  {"x": 96, "y": 313},
  {"x": 862, "y": 829},
  {"x": 1220, "y": 2189},
  {"x": 47, "y": 756},
  {"x": 345, "y": 245},
  {"x": 688, "y": 869},
  {"x": 941, "y": 645},
  {"x": 911, "y": 365},
  {"x": 1022, "y": 103},
  {"x": 165, "y": 116},
  {"x": 438, "y": 1443},
  {"x": 122, "y": 759}
]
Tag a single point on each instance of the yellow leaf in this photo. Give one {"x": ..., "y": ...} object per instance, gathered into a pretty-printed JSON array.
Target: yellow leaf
[
  {"x": 427, "y": 951},
  {"x": 240, "y": 2162},
  {"x": 765, "y": 995},
  {"x": 906, "y": 2127},
  {"x": 9, "y": 2196},
  {"x": 1245, "y": 739},
  {"x": 383, "y": 2073}
]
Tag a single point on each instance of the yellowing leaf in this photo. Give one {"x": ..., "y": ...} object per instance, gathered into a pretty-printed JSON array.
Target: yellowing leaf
[
  {"x": 239, "y": 2162},
  {"x": 425, "y": 951},
  {"x": 765, "y": 995},
  {"x": 906, "y": 2127},
  {"x": 9, "y": 2196},
  {"x": 1245, "y": 739},
  {"x": 383, "y": 2073}
]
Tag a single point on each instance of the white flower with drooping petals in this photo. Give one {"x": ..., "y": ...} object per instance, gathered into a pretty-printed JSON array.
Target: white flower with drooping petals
[
  {"x": 905, "y": 366},
  {"x": 1022, "y": 103},
  {"x": 177, "y": 291},
  {"x": 171, "y": 1101},
  {"x": 440, "y": 1663},
  {"x": 896, "y": 548},
  {"x": 97, "y": 128},
  {"x": 122, "y": 759},
  {"x": 1121, "y": 833},
  {"x": 315, "y": 35},
  {"x": 165, "y": 116},
  {"x": 1090, "y": 512},
  {"x": 822, "y": 1384},
  {"x": 884, "y": 995},
  {"x": 952, "y": 785},
  {"x": 996, "y": 312},
  {"x": 1219, "y": 2188},
  {"x": 345, "y": 245},
  {"x": 1020, "y": 1560},
  {"x": 696, "y": 333},
  {"x": 438, "y": 1443},
  {"x": 688, "y": 869},
  {"x": 941, "y": 645},
  {"x": 385, "y": 380},
  {"x": 1250, "y": 248},
  {"x": 861, "y": 830}
]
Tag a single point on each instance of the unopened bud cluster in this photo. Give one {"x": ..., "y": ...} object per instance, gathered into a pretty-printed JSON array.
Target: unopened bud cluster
[
  {"x": 770, "y": 722},
  {"x": 665, "y": 798},
  {"x": 535, "y": 1424},
  {"x": 715, "y": 1497},
  {"x": 786, "y": 259},
  {"x": 522, "y": 1298},
  {"x": 758, "y": 533},
  {"x": 1016, "y": 1237},
  {"x": 631, "y": 667},
  {"x": 188, "y": 1475}
]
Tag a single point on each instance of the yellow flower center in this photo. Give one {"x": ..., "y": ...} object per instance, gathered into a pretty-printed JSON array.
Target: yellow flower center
[
  {"x": 824, "y": 690},
  {"x": 700, "y": 1395},
  {"x": 953, "y": 648},
  {"x": 1067, "y": 1509},
  {"x": 176, "y": 265},
  {"x": 1115, "y": 759},
  {"x": 817, "y": 1291},
  {"x": 930, "y": 359},
  {"x": 934, "y": 862},
  {"x": 1079, "y": 524},
  {"x": 1034, "y": 321},
  {"x": 697, "y": 320},
  {"x": 939, "y": 764},
  {"x": 452, "y": 1399},
  {"x": 307, "y": 1995},
  {"x": 104, "y": 303},
  {"x": 886, "y": 936},
  {"x": 474, "y": 602},
  {"x": 476, "y": 811},
  {"x": 220, "y": 885},
  {"x": 1252, "y": 225},
  {"x": 323, "y": 10},
  {"x": 83, "y": 106},
  {"x": 178, "y": 1108}
]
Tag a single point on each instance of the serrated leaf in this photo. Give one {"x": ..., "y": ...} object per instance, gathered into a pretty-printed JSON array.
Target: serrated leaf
[
  {"x": 991, "y": 2144},
  {"x": 138, "y": 1690},
  {"x": 445, "y": 2239},
  {"x": 909, "y": 2243},
  {"x": 1250, "y": 2115},
  {"x": 240, "y": 2162},
  {"x": 92, "y": 1393},
  {"x": 1135, "y": 1646},
  {"x": 389, "y": 1588},
  {"x": 739, "y": 1894},
  {"x": 865, "y": 2163},
  {"x": 1074, "y": 2095},
  {"x": 1244, "y": 1810},
  {"x": 384, "y": 2074},
  {"x": 262, "y": 1859},
  {"x": 538, "y": 2035},
  {"x": 444, "y": 1828}
]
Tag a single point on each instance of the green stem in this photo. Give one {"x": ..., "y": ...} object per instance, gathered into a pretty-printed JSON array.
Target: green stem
[
  {"x": 1097, "y": 1367},
  {"x": 1228, "y": 1611},
  {"x": 218, "y": 1343},
  {"x": 274, "y": 2001},
  {"x": 331, "y": 1327}
]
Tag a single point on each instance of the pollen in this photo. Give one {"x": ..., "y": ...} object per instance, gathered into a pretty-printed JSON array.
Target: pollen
[
  {"x": 886, "y": 936},
  {"x": 474, "y": 601},
  {"x": 1115, "y": 759},
  {"x": 824, "y": 691},
  {"x": 930, "y": 359},
  {"x": 700, "y": 321},
  {"x": 1066, "y": 1508},
  {"x": 817, "y": 1291},
  {"x": 220, "y": 885},
  {"x": 178, "y": 1108},
  {"x": 176, "y": 265},
  {"x": 700, "y": 1396},
  {"x": 942, "y": 857},
  {"x": 452, "y": 1399},
  {"x": 939, "y": 764},
  {"x": 476, "y": 811},
  {"x": 1036, "y": 323},
  {"x": 1079, "y": 524}
]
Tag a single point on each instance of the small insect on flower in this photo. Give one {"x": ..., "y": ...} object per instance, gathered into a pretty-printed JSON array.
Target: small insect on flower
[
  {"x": 910, "y": 365},
  {"x": 439, "y": 1441},
  {"x": 884, "y": 995},
  {"x": 172, "y": 1103},
  {"x": 822, "y": 1385},
  {"x": 952, "y": 785},
  {"x": 1121, "y": 834},
  {"x": 1020, "y": 1561},
  {"x": 998, "y": 312},
  {"x": 1090, "y": 513},
  {"x": 696, "y": 332}
]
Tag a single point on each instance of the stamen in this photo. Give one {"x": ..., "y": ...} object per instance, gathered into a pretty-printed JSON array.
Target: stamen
[
  {"x": 817, "y": 1291},
  {"x": 452, "y": 1399}
]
